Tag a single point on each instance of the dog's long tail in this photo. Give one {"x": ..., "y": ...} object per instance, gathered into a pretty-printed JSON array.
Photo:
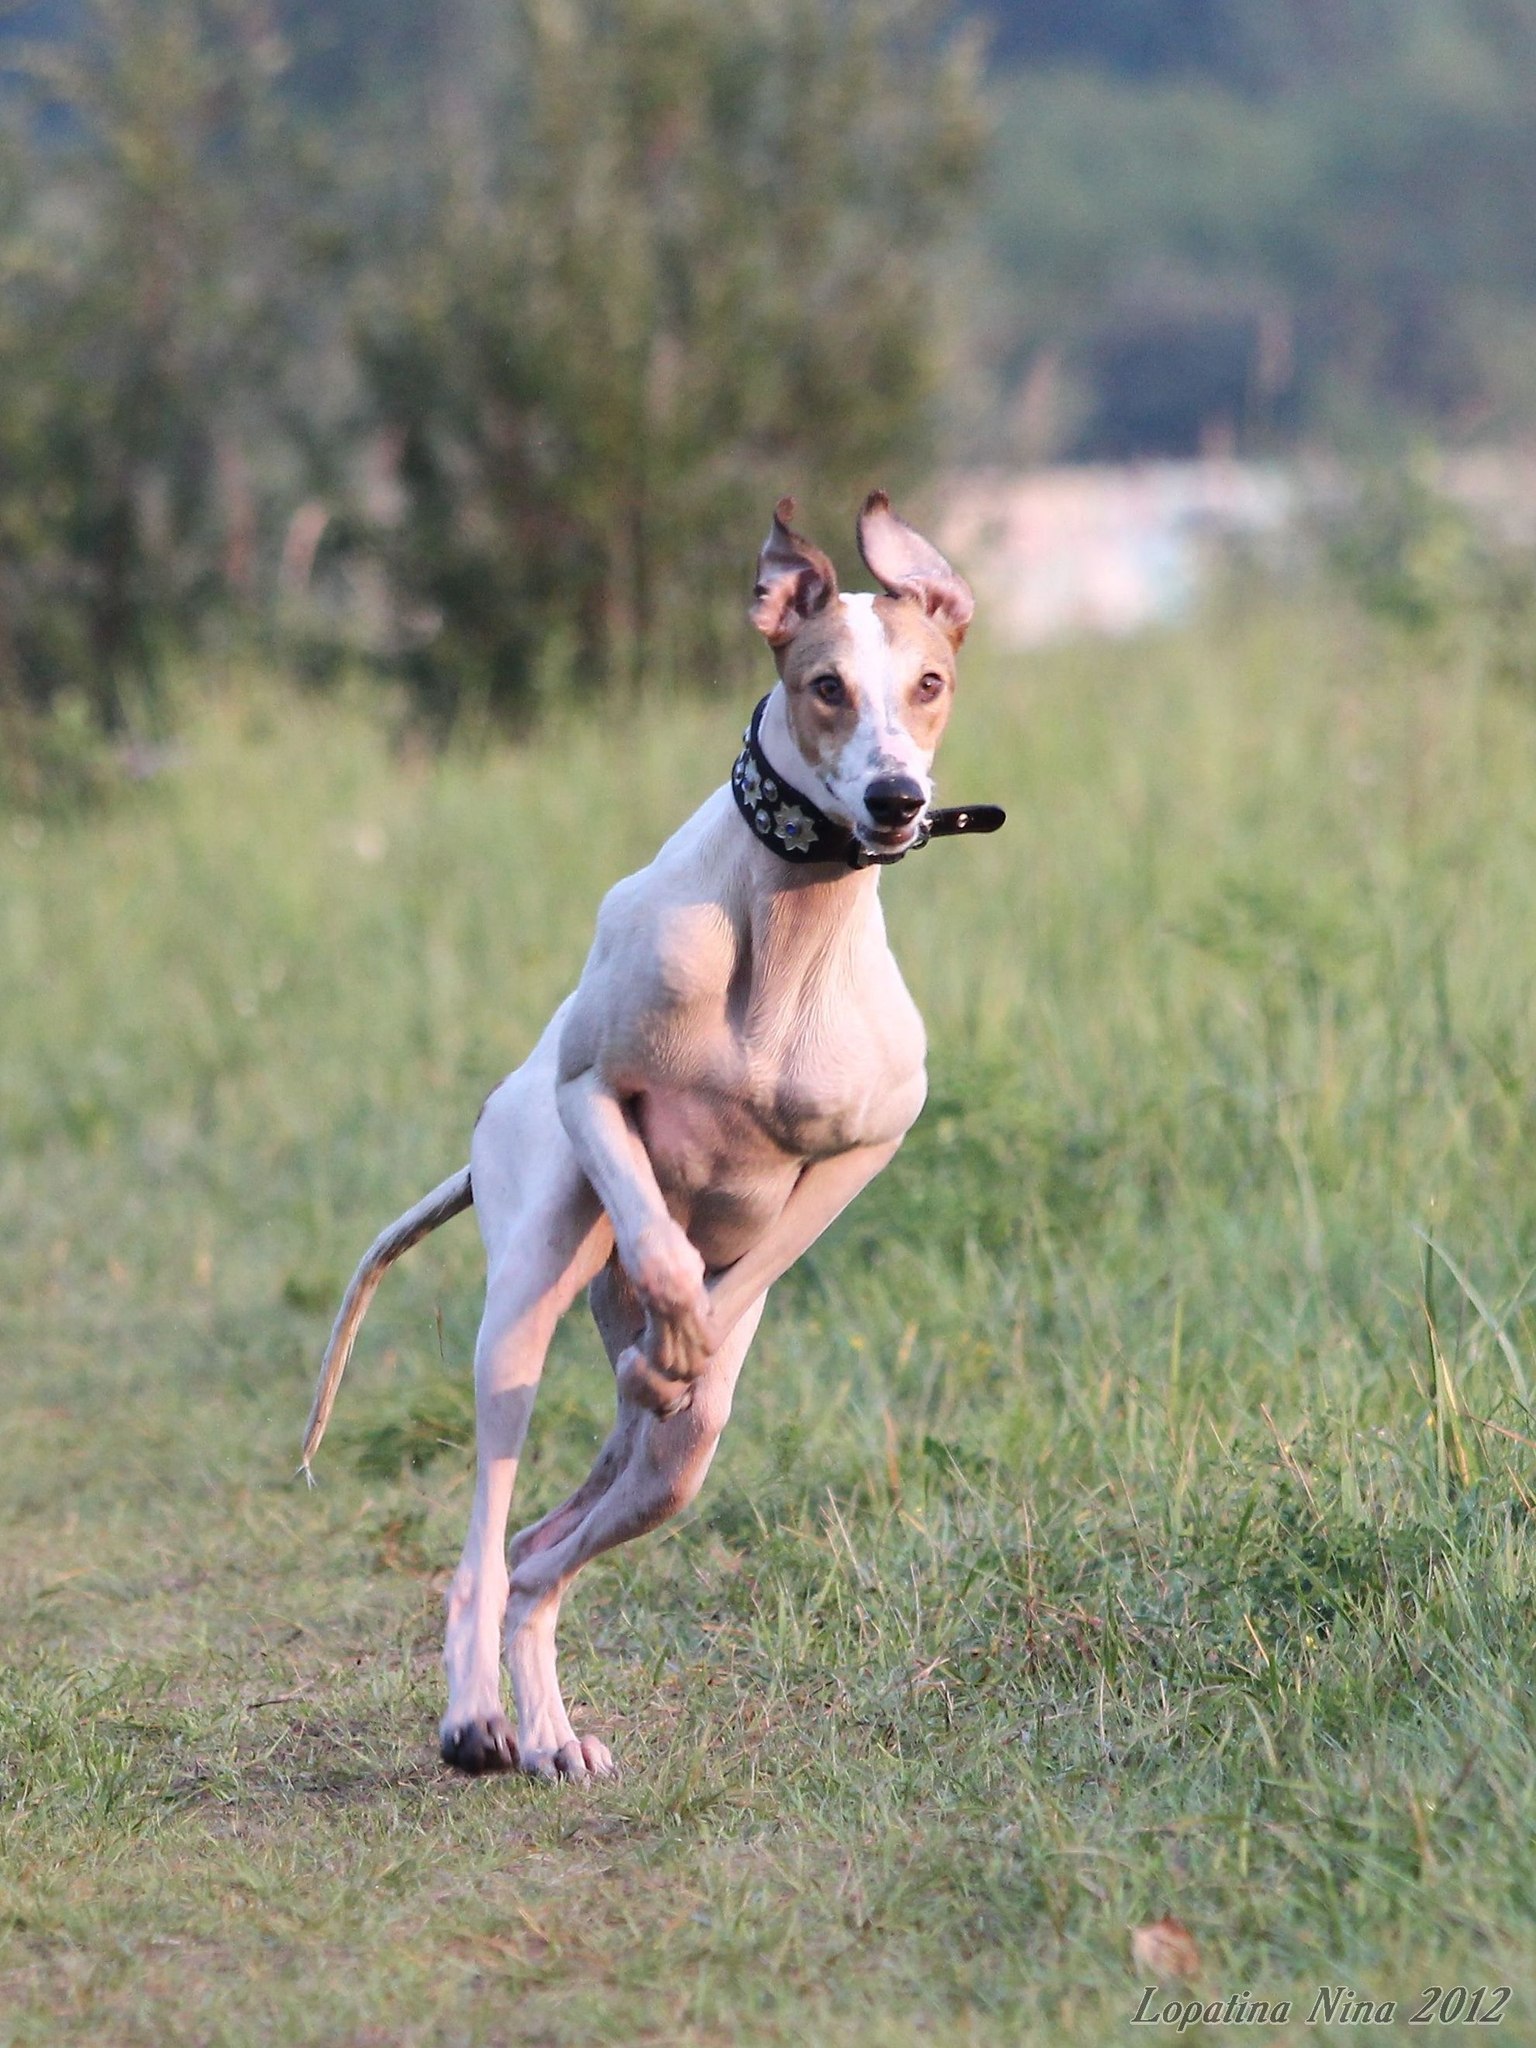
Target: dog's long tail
[{"x": 455, "y": 1194}]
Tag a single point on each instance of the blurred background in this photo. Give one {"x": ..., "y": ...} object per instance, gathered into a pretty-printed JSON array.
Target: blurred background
[{"x": 461, "y": 346}]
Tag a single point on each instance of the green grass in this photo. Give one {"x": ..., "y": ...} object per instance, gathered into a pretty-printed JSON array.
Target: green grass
[{"x": 1123, "y": 1512}]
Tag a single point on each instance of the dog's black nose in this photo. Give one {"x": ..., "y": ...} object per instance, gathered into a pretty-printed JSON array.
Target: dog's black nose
[{"x": 893, "y": 801}]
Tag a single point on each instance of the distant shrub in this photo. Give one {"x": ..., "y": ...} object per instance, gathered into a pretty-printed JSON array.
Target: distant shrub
[
  {"x": 54, "y": 757},
  {"x": 1424, "y": 564},
  {"x": 147, "y": 307},
  {"x": 1409, "y": 555},
  {"x": 682, "y": 260}
]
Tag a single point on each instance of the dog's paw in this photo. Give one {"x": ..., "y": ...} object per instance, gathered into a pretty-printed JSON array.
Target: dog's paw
[
  {"x": 641, "y": 1382},
  {"x": 487, "y": 1744},
  {"x": 579, "y": 1759},
  {"x": 666, "y": 1271}
]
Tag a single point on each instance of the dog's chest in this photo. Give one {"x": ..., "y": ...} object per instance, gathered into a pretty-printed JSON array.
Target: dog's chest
[
  {"x": 811, "y": 1103},
  {"x": 728, "y": 1144},
  {"x": 760, "y": 1045},
  {"x": 800, "y": 1072}
]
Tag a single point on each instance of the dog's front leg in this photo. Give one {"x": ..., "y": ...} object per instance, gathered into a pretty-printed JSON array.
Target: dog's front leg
[
  {"x": 820, "y": 1195},
  {"x": 822, "y": 1192},
  {"x": 664, "y": 1268}
]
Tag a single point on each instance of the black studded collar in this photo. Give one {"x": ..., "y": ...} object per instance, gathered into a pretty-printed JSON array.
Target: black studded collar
[{"x": 790, "y": 825}]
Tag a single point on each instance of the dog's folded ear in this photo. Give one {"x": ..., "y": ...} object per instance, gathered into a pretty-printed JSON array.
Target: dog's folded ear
[
  {"x": 906, "y": 565},
  {"x": 795, "y": 580}
]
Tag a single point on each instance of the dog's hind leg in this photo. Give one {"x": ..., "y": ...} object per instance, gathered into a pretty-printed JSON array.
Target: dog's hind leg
[
  {"x": 650, "y": 1467},
  {"x": 545, "y": 1237},
  {"x": 620, "y": 1322}
]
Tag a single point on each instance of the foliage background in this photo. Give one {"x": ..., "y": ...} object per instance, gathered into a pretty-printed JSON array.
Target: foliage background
[
  {"x": 467, "y": 342},
  {"x": 473, "y": 349}
]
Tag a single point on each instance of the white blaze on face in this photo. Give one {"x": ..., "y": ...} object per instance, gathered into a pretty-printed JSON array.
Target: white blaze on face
[{"x": 880, "y": 743}]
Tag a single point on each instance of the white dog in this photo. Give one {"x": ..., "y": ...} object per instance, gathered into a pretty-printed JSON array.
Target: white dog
[{"x": 739, "y": 1058}]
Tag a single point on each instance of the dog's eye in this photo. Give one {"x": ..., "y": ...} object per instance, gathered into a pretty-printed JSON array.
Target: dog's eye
[
  {"x": 828, "y": 689},
  {"x": 929, "y": 687}
]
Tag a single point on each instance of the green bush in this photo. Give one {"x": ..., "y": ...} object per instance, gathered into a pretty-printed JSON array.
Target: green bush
[
  {"x": 149, "y": 315},
  {"x": 684, "y": 260}
]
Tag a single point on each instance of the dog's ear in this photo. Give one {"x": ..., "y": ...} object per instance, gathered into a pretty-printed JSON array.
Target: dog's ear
[
  {"x": 795, "y": 580},
  {"x": 906, "y": 565}
]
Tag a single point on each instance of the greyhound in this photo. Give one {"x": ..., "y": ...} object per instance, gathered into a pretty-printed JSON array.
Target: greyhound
[{"x": 739, "y": 1058}]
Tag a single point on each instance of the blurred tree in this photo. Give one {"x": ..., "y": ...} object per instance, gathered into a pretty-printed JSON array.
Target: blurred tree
[
  {"x": 151, "y": 311},
  {"x": 1226, "y": 225},
  {"x": 682, "y": 258},
  {"x": 618, "y": 271}
]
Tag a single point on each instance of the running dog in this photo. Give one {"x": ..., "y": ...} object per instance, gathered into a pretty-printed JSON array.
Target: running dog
[{"x": 738, "y": 1059}]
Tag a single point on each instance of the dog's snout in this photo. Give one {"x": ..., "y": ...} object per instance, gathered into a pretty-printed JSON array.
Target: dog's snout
[{"x": 893, "y": 801}]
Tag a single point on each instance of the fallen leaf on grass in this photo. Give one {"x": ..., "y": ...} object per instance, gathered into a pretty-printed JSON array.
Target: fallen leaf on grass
[{"x": 1166, "y": 1950}]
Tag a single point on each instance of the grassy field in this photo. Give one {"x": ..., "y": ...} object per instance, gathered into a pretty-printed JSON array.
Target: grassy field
[{"x": 1126, "y": 1511}]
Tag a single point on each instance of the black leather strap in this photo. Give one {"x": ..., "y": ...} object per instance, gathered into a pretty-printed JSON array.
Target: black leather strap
[
  {"x": 962, "y": 818},
  {"x": 790, "y": 825}
]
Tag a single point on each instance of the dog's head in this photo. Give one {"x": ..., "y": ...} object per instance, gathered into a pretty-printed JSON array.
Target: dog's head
[{"x": 867, "y": 679}]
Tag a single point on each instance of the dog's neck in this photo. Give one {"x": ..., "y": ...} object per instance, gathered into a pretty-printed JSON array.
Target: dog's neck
[
  {"x": 799, "y": 913},
  {"x": 807, "y": 920}
]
